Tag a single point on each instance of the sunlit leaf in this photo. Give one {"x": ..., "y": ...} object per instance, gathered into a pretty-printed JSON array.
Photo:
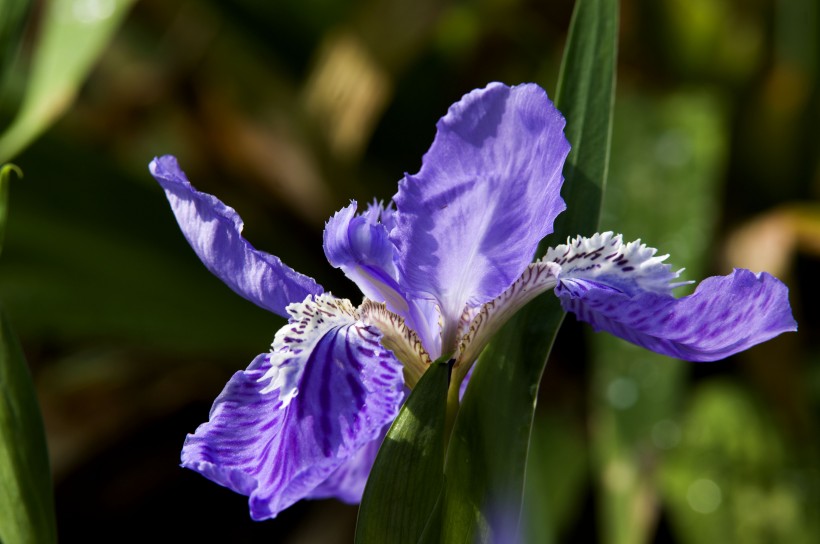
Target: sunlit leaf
[
  {"x": 406, "y": 478},
  {"x": 26, "y": 496},
  {"x": 488, "y": 450},
  {"x": 586, "y": 95},
  {"x": 72, "y": 35}
]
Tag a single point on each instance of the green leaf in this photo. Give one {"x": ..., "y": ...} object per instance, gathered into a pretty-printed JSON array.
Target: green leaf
[
  {"x": 586, "y": 95},
  {"x": 5, "y": 174},
  {"x": 488, "y": 450},
  {"x": 557, "y": 477},
  {"x": 12, "y": 24},
  {"x": 407, "y": 476},
  {"x": 484, "y": 471},
  {"x": 71, "y": 38},
  {"x": 26, "y": 496}
]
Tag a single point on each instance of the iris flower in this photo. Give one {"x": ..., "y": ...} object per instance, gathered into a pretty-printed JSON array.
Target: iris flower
[{"x": 441, "y": 267}]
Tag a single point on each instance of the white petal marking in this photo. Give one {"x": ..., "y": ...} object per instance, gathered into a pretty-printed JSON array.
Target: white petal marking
[
  {"x": 605, "y": 258},
  {"x": 310, "y": 320}
]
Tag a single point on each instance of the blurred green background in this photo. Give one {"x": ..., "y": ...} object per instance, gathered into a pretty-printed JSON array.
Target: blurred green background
[{"x": 288, "y": 109}]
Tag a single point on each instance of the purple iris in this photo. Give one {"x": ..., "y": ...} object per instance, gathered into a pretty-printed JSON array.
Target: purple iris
[{"x": 442, "y": 267}]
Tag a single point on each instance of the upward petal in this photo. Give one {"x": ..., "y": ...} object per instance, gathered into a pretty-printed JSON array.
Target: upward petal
[
  {"x": 361, "y": 247},
  {"x": 725, "y": 315},
  {"x": 214, "y": 231},
  {"x": 281, "y": 446},
  {"x": 488, "y": 191}
]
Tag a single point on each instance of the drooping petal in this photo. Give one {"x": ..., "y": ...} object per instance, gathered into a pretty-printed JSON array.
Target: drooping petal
[
  {"x": 347, "y": 482},
  {"x": 214, "y": 231},
  {"x": 725, "y": 315},
  {"x": 488, "y": 191},
  {"x": 348, "y": 388},
  {"x": 224, "y": 450}
]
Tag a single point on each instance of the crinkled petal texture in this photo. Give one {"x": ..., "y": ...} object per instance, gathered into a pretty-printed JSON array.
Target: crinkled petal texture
[
  {"x": 214, "y": 231},
  {"x": 725, "y": 315},
  {"x": 277, "y": 451},
  {"x": 488, "y": 191}
]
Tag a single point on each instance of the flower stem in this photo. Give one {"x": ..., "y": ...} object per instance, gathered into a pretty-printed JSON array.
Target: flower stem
[{"x": 452, "y": 411}]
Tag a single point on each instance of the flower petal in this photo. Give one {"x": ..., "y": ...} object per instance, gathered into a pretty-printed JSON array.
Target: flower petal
[
  {"x": 349, "y": 387},
  {"x": 488, "y": 191},
  {"x": 214, "y": 232},
  {"x": 222, "y": 450},
  {"x": 361, "y": 247},
  {"x": 537, "y": 278},
  {"x": 725, "y": 315},
  {"x": 399, "y": 339},
  {"x": 631, "y": 268},
  {"x": 347, "y": 482}
]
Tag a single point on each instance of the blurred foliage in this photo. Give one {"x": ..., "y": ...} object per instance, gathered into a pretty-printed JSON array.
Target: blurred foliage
[
  {"x": 288, "y": 109},
  {"x": 70, "y": 37},
  {"x": 665, "y": 169},
  {"x": 26, "y": 496}
]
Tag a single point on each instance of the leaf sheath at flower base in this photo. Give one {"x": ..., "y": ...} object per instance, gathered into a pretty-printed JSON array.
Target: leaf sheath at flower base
[{"x": 408, "y": 474}]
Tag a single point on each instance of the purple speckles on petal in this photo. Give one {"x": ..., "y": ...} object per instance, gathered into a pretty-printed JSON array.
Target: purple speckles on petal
[{"x": 280, "y": 452}]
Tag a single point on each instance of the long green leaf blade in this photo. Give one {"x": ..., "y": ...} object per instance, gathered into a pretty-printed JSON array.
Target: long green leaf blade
[
  {"x": 71, "y": 38},
  {"x": 26, "y": 496},
  {"x": 488, "y": 450},
  {"x": 407, "y": 475},
  {"x": 586, "y": 95}
]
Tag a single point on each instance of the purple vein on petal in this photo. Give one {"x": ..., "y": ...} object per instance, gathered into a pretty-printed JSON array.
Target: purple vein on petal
[
  {"x": 488, "y": 191},
  {"x": 348, "y": 389},
  {"x": 725, "y": 315}
]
